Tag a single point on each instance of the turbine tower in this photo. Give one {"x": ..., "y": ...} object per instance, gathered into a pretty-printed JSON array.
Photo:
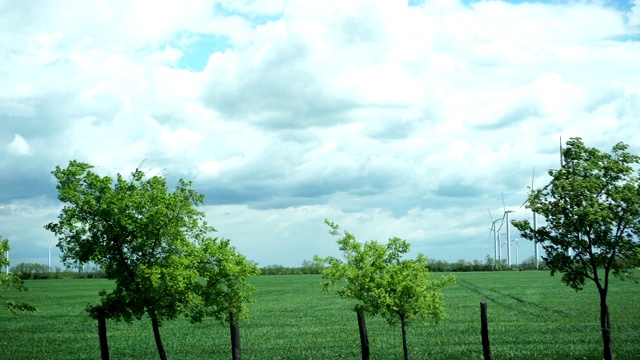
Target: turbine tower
[
  {"x": 496, "y": 245},
  {"x": 517, "y": 251},
  {"x": 506, "y": 216}
]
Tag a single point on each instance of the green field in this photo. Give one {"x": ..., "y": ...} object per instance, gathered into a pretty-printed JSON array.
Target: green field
[{"x": 531, "y": 316}]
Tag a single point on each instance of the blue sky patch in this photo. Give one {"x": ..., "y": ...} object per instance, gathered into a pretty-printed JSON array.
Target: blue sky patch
[
  {"x": 621, "y": 5},
  {"x": 196, "y": 53},
  {"x": 255, "y": 19},
  {"x": 624, "y": 38}
]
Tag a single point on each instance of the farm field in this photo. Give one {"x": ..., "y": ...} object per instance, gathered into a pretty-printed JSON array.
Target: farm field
[{"x": 531, "y": 316}]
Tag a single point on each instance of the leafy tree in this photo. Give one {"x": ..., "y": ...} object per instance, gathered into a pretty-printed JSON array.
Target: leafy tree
[
  {"x": 226, "y": 291},
  {"x": 11, "y": 281},
  {"x": 30, "y": 270},
  {"x": 152, "y": 242},
  {"x": 592, "y": 210},
  {"x": 401, "y": 290},
  {"x": 310, "y": 267}
]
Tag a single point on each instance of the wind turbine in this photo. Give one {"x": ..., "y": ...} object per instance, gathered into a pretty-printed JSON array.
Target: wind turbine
[
  {"x": 496, "y": 245},
  {"x": 535, "y": 225},
  {"x": 517, "y": 248},
  {"x": 506, "y": 216}
]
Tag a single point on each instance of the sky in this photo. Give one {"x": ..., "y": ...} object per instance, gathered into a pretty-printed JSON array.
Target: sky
[{"x": 390, "y": 118}]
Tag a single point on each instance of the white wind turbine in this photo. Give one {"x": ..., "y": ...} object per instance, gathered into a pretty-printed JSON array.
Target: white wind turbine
[
  {"x": 517, "y": 248},
  {"x": 508, "y": 241},
  {"x": 496, "y": 245}
]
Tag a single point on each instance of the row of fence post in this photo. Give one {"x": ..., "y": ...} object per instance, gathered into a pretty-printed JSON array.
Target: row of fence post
[{"x": 236, "y": 351}]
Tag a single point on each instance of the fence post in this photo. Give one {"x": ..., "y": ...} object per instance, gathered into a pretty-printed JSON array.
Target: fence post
[
  {"x": 486, "y": 351},
  {"x": 236, "y": 352},
  {"x": 364, "y": 338},
  {"x": 102, "y": 335}
]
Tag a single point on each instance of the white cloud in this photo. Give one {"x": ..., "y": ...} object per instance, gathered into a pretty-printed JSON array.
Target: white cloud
[
  {"x": 390, "y": 120},
  {"x": 19, "y": 146}
]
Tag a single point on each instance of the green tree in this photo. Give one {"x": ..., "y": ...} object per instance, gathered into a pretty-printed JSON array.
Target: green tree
[
  {"x": 30, "y": 271},
  {"x": 377, "y": 276},
  {"x": 592, "y": 212},
  {"x": 11, "y": 281},
  {"x": 310, "y": 267},
  {"x": 153, "y": 243},
  {"x": 225, "y": 292}
]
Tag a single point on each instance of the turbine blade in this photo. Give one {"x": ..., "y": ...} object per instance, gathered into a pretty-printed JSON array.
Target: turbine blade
[
  {"x": 491, "y": 216},
  {"x": 533, "y": 175},
  {"x": 561, "y": 160},
  {"x": 502, "y": 221},
  {"x": 524, "y": 203},
  {"x": 503, "y": 205}
]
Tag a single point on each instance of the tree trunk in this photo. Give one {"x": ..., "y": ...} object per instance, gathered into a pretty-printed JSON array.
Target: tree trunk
[
  {"x": 236, "y": 352},
  {"x": 156, "y": 335},
  {"x": 605, "y": 323},
  {"x": 364, "y": 338},
  {"x": 405, "y": 350},
  {"x": 102, "y": 335}
]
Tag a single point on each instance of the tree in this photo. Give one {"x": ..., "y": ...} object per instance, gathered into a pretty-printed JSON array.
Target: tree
[
  {"x": 11, "y": 281},
  {"x": 310, "y": 267},
  {"x": 152, "y": 242},
  {"x": 401, "y": 290},
  {"x": 592, "y": 212},
  {"x": 226, "y": 291},
  {"x": 30, "y": 271}
]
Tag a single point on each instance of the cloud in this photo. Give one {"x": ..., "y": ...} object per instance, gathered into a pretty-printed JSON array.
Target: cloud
[
  {"x": 19, "y": 146},
  {"x": 391, "y": 120}
]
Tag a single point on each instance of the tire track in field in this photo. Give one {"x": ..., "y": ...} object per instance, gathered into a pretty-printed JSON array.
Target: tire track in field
[{"x": 513, "y": 302}]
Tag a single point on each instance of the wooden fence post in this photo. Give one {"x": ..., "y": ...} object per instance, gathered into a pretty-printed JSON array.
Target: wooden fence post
[
  {"x": 102, "y": 335},
  {"x": 486, "y": 351},
  {"x": 364, "y": 338},
  {"x": 236, "y": 352}
]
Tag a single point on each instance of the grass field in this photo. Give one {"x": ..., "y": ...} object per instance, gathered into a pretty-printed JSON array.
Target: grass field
[{"x": 531, "y": 316}]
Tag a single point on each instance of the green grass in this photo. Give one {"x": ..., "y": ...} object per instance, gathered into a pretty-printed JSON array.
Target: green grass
[{"x": 531, "y": 316}]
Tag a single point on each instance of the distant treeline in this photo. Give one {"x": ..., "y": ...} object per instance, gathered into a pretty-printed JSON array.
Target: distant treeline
[
  {"x": 489, "y": 264},
  {"x": 312, "y": 267},
  {"x": 31, "y": 271}
]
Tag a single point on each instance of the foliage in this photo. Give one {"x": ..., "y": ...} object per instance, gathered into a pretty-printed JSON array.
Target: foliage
[
  {"x": 592, "y": 212},
  {"x": 311, "y": 267},
  {"x": 307, "y": 267},
  {"x": 11, "y": 281},
  {"x": 377, "y": 276},
  {"x": 412, "y": 293},
  {"x": 276, "y": 269},
  {"x": 226, "y": 290},
  {"x": 152, "y": 242},
  {"x": 138, "y": 232},
  {"x": 463, "y": 265},
  {"x": 31, "y": 271}
]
